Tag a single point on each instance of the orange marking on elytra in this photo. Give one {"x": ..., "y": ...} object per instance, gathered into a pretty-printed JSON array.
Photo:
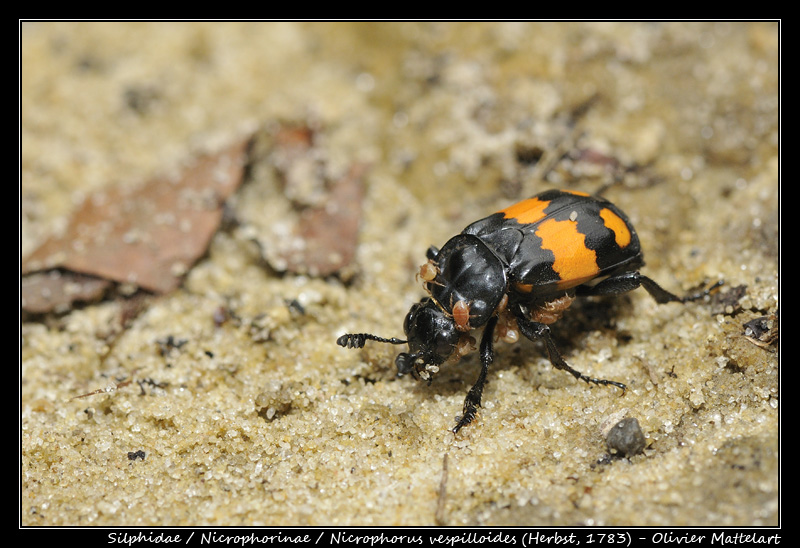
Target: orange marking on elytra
[
  {"x": 622, "y": 234},
  {"x": 526, "y": 211},
  {"x": 574, "y": 262}
]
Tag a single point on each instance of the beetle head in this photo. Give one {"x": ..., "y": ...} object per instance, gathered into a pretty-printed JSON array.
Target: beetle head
[
  {"x": 431, "y": 335},
  {"x": 432, "y": 338}
]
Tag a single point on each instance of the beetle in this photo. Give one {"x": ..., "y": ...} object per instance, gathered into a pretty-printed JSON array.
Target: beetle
[{"x": 516, "y": 272}]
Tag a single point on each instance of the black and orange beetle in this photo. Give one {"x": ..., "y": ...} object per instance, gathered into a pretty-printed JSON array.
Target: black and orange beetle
[{"x": 517, "y": 271}]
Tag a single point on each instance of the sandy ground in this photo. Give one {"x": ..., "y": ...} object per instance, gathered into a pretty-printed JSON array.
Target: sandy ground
[{"x": 265, "y": 421}]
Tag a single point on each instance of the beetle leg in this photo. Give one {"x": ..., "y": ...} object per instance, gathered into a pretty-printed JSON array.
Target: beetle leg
[
  {"x": 536, "y": 330},
  {"x": 473, "y": 399},
  {"x": 628, "y": 281}
]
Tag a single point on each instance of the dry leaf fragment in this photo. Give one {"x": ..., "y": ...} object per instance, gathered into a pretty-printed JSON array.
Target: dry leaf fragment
[
  {"x": 329, "y": 233},
  {"x": 149, "y": 234},
  {"x": 43, "y": 292},
  {"x": 304, "y": 218}
]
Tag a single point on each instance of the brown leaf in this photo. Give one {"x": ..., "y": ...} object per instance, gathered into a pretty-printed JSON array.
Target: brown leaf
[
  {"x": 330, "y": 232},
  {"x": 149, "y": 234},
  {"x": 304, "y": 218},
  {"x": 43, "y": 292}
]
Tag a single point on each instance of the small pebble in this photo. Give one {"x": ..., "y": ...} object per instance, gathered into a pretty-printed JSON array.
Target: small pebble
[{"x": 626, "y": 438}]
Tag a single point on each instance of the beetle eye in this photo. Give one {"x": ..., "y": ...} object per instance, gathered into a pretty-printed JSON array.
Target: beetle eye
[{"x": 445, "y": 343}]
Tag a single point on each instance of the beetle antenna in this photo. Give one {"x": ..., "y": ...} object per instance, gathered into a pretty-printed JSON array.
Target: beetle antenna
[{"x": 358, "y": 340}]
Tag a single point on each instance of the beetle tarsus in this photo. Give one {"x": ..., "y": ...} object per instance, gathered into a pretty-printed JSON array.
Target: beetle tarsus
[
  {"x": 628, "y": 281},
  {"x": 535, "y": 330}
]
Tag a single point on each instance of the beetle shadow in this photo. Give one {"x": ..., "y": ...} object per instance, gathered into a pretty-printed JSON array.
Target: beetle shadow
[{"x": 585, "y": 316}]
